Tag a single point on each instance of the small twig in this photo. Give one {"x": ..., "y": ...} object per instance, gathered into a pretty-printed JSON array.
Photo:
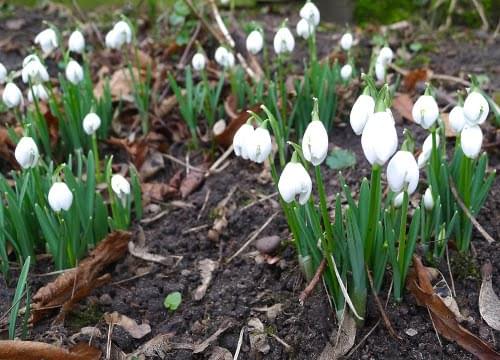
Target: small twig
[
  {"x": 183, "y": 163},
  {"x": 480, "y": 11},
  {"x": 12, "y": 306},
  {"x": 473, "y": 220},
  {"x": 222, "y": 27},
  {"x": 195, "y": 229},
  {"x": 434, "y": 326},
  {"x": 205, "y": 202},
  {"x": 240, "y": 342},
  {"x": 209, "y": 27},
  {"x": 442, "y": 77},
  {"x": 154, "y": 218},
  {"x": 312, "y": 284},
  {"x": 57, "y": 272},
  {"x": 353, "y": 350},
  {"x": 451, "y": 274},
  {"x": 217, "y": 162},
  {"x": 258, "y": 201},
  {"x": 183, "y": 60},
  {"x": 288, "y": 348},
  {"x": 130, "y": 278}
]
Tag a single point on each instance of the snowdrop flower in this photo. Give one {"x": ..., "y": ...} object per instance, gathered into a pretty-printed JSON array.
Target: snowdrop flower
[
  {"x": 255, "y": 42},
  {"x": 476, "y": 108},
  {"x": 425, "y": 111},
  {"x": 113, "y": 40},
  {"x": 346, "y": 41},
  {"x": 425, "y": 155},
  {"x": 346, "y": 72},
  {"x": 304, "y": 29},
  {"x": 60, "y": 197},
  {"x": 241, "y": 139},
  {"x": 457, "y": 119},
  {"x": 379, "y": 71},
  {"x": 120, "y": 186},
  {"x": 124, "y": 31},
  {"x": 295, "y": 181},
  {"x": 283, "y": 41},
  {"x": 363, "y": 108},
  {"x": 47, "y": 40},
  {"x": 398, "y": 200},
  {"x": 34, "y": 71},
  {"x": 385, "y": 55},
  {"x": 402, "y": 172},
  {"x": 26, "y": 153},
  {"x": 39, "y": 91},
  {"x": 76, "y": 42},
  {"x": 224, "y": 2},
  {"x": 12, "y": 96},
  {"x": 379, "y": 138},
  {"x": 3, "y": 73},
  {"x": 315, "y": 142},
  {"x": 224, "y": 57},
  {"x": 91, "y": 123},
  {"x": 471, "y": 140},
  {"x": 199, "y": 61},
  {"x": 259, "y": 146},
  {"x": 74, "y": 72},
  {"x": 428, "y": 199},
  {"x": 310, "y": 13}
]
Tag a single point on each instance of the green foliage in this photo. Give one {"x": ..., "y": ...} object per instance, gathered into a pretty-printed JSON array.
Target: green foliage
[
  {"x": 22, "y": 284},
  {"x": 384, "y": 11},
  {"x": 172, "y": 301},
  {"x": 340, "y": 159}
]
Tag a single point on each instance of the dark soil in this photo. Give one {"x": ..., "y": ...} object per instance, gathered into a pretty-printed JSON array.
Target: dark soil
[{"x": 240, "y": 289}]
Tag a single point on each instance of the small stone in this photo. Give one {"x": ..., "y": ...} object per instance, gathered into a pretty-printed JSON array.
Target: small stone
[
  {"x": 411, "y": 332},
  {"x": 105, "y": 299},
  {"x": 269, "y": 244}
]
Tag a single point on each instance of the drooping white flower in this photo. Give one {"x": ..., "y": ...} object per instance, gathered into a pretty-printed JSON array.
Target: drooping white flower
[
  {"x": 457, "y": 119},
  {"x": 379, "y": 138},
  {"x": 471, "y": 140},
  {"x": 91, "y": 123},
  {"x": 113, "y": 40},
  {"x": 425, "y": 111},
  {"x": 425, "y": 155},
  {"x": 363, "y": 108},
  {"x": 199, "y": 61},
  {"x": 310, "y": 13},
  {"x": 60, "y": 197},
  {"x": 47, "y": 40},
  {"x": 476, "y": 108},
  {"x": 284, "y": 41},
  {"x": 379, "y": 71},
  {"x": 428, "y": 199},
  {"x": 34, "y": 71},
  {"x": 315, "y": 143},
  {"x": 74, "y": 72},
  {"x": 224, "y": 57},
  {"x": 26, "y": 152},
  {"x": 259, "y": 145},
  {"x": 304, "y": 29},
  {"x": 241, "y": 140},
  {"x": 12, "y": 96},
  {"x": 39, "y": 91},
  {"x": 255, "y": 42},
  {"x": 397, "y": 201},
  {"x": 402, "y": 172},
  {"x": 224, "y": 2},
  {"x": 76, "y": 42},
  {"x": 120, "y": 186},
  {"x": 346, "y": 72},
  {"x": 295, "y": 181},
  {"x": 3, "y": 74},
  {"x": 346, "y": 41},
  {"x": 385, "y": 55},
  {"x": 29, "y": 58},
  {"x": 119, "y": 35}
]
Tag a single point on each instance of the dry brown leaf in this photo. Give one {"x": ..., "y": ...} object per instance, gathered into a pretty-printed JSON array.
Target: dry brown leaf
[
  {"x": 271, "y": 311},
  {"x": 137, "y": 149},
  {"x": 33, "y": 350},
  {"x": 443, "y": 318},
  {"x": 166, "y": 106},
  {"x": 153, "y": 163},
  {"x": 158, "y": 191},
  {"x": 415, "y": 76},
  {"x": 258, "y": 337},
  {"x": 489, "y": 304},
  {"x": 344, "y": 338},
  {"x": 226, "y": 137},
  {"x": 120, "y": 84},
  {"x": 159, "y": 346},
  {"x": 142, "y": 253},
  {"x": 206, "y": 267},
  {"x": 129, "y": 325},
  {"x": 403, "y": 105},
  {"x": 193, "y": 180},
  {"x": 73, "y": 285}
]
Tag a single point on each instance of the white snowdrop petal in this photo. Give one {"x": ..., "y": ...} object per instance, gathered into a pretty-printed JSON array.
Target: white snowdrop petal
[
  {"x": 76, "y": 42},
  {"x": 60, "y": 197},
  {"x": 476, "y": 108},
  {"x": 255, "y": 42},
  {"x": 457, "y": 119},
  {"x": 12, "y": 96},
  {"x": 428, "y": 199},
  {"x": 26, "y": 152},
  {"x": 346, "y": 41},
  {"x": 310, "y": 13},
  {"x": 315, "y": 143},
  {"x": 471, "y": 140},
  {"x": 284, "y": 41},
  {"x": 362, "y": 109},
  {"x": 425, "y": 111}
]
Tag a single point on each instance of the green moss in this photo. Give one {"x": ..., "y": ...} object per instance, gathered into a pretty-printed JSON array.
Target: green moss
[
  {"x": 88, "y": 316},
  {"x": 464, "y": 266},
  {"x": 383, "y": 11}
]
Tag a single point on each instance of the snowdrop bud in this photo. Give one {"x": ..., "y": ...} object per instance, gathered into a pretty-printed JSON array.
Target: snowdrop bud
[
  {"x": 385, "y": 55},
  {"x": 113, "y": 40},
  {"x": 74, "y": 72},
  {"x": 315, "y": 143},
  {"x": 124, "y": 31},
  {"x": 255, "y": 42},
  {"x": 39, "y": 91},
  {"x": 241, "y": 139},
  {"x": 259, "y": 145},
  {"x": 198, "y": 62},
  {"x": 425, "y": 111},
  {"x": 363, "y": 108},
  {"x": 304, "y": 29},
  {"x": 283, "y": 41},
  {"x": 379, "y": 138},
  {"x": 34, "y": 71},
  {"x": 346, "y": 72},
  {"x": 224, "y": 58},
  {"x": 12, "y": 96},
  {"x": 310, "y": 13},
  {"x": 91, "y": 123},
  {"x": 346, "y": 41},
  {"x": 380, "y": 71},
  {"x": 76, "y": 42},
  {"x": 476, "y": 108},
  {"x": 47, "y": 40},
  {"x": 471, "y": 140},
  {"x": 60, "y": 197},
  {"x": 457, "y": 119},
  {"x": 3, "y": 73},
  {"x": 295, "y": 181},
  {"x": 428, "y": 200},
  {"x": 402, "y": 172},
  {"x": 120, "y": 186},
  {"x": 26, "y": 153},
  {"x": 398, "y": 200}
]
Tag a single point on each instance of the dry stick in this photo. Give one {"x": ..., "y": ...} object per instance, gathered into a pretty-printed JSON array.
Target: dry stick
[
  {"x": 442, "y": 77},
  {"x": 312, "y": 284},
  {"x": 183, "y": 163},
  {"x": 84, "y": 18},
  {"x": 387, "y": 322},
  {"x": 207, "y": 196},
  {"x": 288, "y": 348},
  {"x": 353, "y": 350},
  {"x": 209, "y": 27},
  {"x": 240, "y": 342},
  {"x": 480, "y": 11},
  {"x": 472, "y": 219},
  {"x": 220, "y": 23},
  {"x": 217, "y": 162},
  {"x": 183, "y": 60},
  {"x": 259, "y": 201},
  {"x": 434, "y": 326},
  {"x": 451, "y": 274}
]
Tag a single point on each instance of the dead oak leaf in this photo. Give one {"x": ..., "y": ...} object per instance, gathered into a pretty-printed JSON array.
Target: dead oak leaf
[{"x": 129, "y": 325}]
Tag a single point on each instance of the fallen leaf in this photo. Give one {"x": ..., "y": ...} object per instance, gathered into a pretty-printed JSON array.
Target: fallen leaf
[
  {"x": 166, "y": 106},
  {"x": 158, "y": 191},
  {"x": 258, "y": 337},
  {"x": 489, "y": 304},
  {"x": 206, "y": 267},
  {"x": 15, "y": 24},
  {"x": 137, "y": 149},
  {"x": 443, "y": 318},
  {"x": 153, "y": 163},
  {"x": 206, "y": 343},
  {"x": 221, "y": 213},
  {"x": 159, "y": 346},
  {"x": 33, "y": 350},
  {"x": 340, "y": 159},
  {"x": 142, "y": 253},
  {"x": 226, "y": 137},
  {"x": 271, "y": 311},
  {"x": 403, "y": 104},
  {"x": 415, "y": 76},
  {"x": 344, "y": 338},
  {"x": 193, "y": 180},
  {"x": 129, "y": 325},
  {"x": 120, "y": 84}
]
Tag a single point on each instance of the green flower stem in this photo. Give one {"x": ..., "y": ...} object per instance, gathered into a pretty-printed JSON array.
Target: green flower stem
[
  {"x": 324, "y": 210},
  {"x": 312, "y": 48},
  {"x": 282, "y": 91},
  {"x": 373, "y": 214},
  {"x": 402, "y": 245},
  {"x": 95, "y": 150}
]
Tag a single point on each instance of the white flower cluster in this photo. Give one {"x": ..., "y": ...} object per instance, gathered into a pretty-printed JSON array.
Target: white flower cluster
[{"x": 252, "y": 144}]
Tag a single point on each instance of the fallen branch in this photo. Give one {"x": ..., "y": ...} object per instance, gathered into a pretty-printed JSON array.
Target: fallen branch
[
  {"x": 312, "y": 284},
  {"x": 34, "y": 350}
]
